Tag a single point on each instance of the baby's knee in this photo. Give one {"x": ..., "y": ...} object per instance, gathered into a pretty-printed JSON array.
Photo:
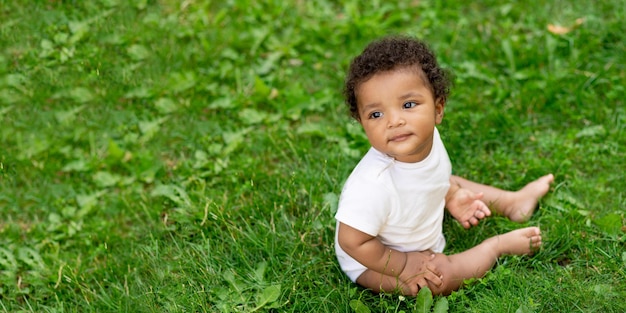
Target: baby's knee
[
  {"x": 442, "y": 262},
  {"x": 444, "y": 265}
]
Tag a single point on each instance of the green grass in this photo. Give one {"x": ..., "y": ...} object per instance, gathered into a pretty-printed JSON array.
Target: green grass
[{"x": 187, "y": 156}]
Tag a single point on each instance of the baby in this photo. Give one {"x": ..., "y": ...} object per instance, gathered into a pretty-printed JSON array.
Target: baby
[{"x": 389, "y": 221}]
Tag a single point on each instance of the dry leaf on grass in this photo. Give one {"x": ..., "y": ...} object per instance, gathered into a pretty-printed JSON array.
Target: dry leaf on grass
[{"x": 560, "y": 30}]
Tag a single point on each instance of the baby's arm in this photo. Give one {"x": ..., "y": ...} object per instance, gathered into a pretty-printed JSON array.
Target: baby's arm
[
  {"x": 412, "y": 269},
  {"x": 465, "y": 206}
]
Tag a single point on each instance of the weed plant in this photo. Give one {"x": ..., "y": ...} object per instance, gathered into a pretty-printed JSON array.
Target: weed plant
[{"x": 187, "y": 156}]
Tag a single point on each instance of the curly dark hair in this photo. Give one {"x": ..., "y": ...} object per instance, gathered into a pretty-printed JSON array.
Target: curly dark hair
[{"x": 391, "y": 53}]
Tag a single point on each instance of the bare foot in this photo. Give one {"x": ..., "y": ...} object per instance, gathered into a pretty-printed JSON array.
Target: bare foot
[
  {"x": 519, "y": 206},
  {"x": 517, "y": 242}
]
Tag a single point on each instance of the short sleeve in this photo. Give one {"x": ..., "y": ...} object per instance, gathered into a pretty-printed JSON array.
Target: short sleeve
[{"x": 364, "y": 205}]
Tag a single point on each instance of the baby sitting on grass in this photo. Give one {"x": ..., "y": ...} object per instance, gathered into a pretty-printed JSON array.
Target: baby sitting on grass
[{"x": 390, "y": 216}]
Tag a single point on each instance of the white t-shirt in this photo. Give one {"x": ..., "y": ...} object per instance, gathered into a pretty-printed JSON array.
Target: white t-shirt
[{"x": 402, "y": 204}]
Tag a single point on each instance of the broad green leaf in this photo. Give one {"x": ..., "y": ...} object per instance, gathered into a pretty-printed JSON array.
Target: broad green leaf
[
  {"x": 78, "y": 26},
  {"x": 252, "y": 116},
  {"x": 141, "y": 92},
  {"x": 237, "y": 287},
  {"x": 114, "y": 150},
  {"x": 69, "y": 211},
  {"x": 138, "y": 52},
  {"x": 47, "y": 48},
  {"x": 31, "y": 257},
  {"x": 468, "y": 69},
  {"x": 610, "y": 223},
  {"x": 7, "y": 259},
  {"x": 215, "y": 148},
  {"x": 87, "y": 202},
  {"x": 150, "y": 128},
  {"x": 220, "y": 164},
  {"x": 260, "y": 34},
  {"x": 60, "y": 38},
  {"x": 604, "y": 290},
  {"x": 78, "y": 30},
  {"x": 260, "y": 271},
  {"x": 34, "y": 146},
  {"x": 113, "y": 39},
  {"x": 66, "y": 53},
  {"x": 523, "y": 309},
  {"x": 222, "y": 103},
  {"x": 175, "y": 193},
  {"x": 68, "y": 116},
  {"x": 591, "y": 131},
  {"x": 315, "y": 129},
  {"x": 112, "y": 3},
  {"x": 233, "y": 140},
  {"x": 9, "y": 96},
  {"x": 80, "y": 94},
  {"x": 201, "y": 159},
  {"x": 54, "y": 222},
  {"x": 269, "y": 63},
  {"x": 261, "y": 88},
  {"x": 15, "y": 80},
  {"x": 358, "y": 306},
  {"x": 268, "y": 295},
  {"x": 424, "y": 300},
  {"x": 5, "y": 110},
  {"x": 583, "y": 212},
  {"x": 54, "y": 218},
  {"x": 105, "y": 179},
  {"x": 179, "y": 82},
  {"x": 139, "y": 4},
  {"x": 441, "y": 306},
  {"x": 331, "y": 200},
  {"x": 165, "y": 105},
  {"x": 76, "y": 166},
  {"x": 566, "y": 201}
]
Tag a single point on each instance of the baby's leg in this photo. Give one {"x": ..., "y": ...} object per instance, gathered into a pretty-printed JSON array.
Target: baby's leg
[
  {"x": 456, "y": 268},
  {"x": 518, "y": 206},
  {"x": 378, "y": 282},
  {"x": 475, "y": 262}
]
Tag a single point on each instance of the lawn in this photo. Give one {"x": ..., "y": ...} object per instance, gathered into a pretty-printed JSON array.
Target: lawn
[{"x": 187, "y": 156}]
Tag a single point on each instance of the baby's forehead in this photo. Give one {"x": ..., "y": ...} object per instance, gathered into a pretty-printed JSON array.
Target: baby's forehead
[
  {"x": 391, "y": 86},
  {"x": 413, "y": 69}
]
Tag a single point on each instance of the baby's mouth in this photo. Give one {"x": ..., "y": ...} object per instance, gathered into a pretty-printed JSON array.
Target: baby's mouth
[{"x": 400, "y": 137}]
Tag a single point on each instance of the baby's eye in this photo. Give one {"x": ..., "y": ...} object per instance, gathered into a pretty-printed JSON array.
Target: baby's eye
[
  {"x": 376, "y": 115},
  {"x": 408, "y": 105}
]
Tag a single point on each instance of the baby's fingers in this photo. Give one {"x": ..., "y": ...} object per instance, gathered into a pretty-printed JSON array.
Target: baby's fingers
[
  {"x": 479, "y": 214},
  {"x": 485, "y": 209},
  {"x": 435, "y": 280},
  {"x": 433, "y": 274},
  {"x": 481, "y": 210},
  {"x": 421, "y": 283},
  {"x": 478, "y": 196},
  {"x": 410, "y": 290}
]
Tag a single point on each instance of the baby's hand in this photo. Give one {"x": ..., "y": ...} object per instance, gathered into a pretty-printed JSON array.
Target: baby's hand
[
  {"x": 467, "y": 207},
  {"x": 419, "y": 271}
]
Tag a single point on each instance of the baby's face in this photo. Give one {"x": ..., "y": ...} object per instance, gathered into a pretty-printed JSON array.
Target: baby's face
[{"x": 398, "y": 113}]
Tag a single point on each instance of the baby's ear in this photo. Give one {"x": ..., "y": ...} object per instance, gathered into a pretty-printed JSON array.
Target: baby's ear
[
  {"x": 439, "y": 106},
  {"x": 441, "y": 101}
]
